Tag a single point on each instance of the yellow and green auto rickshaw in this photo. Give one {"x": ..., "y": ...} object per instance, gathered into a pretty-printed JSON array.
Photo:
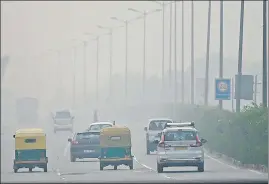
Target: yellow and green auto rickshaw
[
  {"x": 116, "y": 147},
  {"x": 30, "y": 149}
]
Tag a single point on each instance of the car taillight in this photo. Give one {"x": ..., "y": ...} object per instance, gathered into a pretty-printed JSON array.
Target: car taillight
[
  {"x": 74, "y": 142},
  {"x": 198, "y": 142}
]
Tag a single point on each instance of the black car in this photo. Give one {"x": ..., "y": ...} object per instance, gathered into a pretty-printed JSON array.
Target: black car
[{"x": 85, "y": 145}]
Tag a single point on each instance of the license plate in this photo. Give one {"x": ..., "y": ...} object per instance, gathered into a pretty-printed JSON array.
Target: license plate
[
  {"x": 181, "y": 148},
  {"x": 88, "y": 151}
]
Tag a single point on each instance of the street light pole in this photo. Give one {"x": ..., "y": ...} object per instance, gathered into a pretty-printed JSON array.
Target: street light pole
[
  {"x": 240, "y": 52},
  {"x": 192, "y": 52},
  {"x": 182, "y": 57},
  {"x": 84, "y": 71},
  {"x": 170, "y": 47},
  {"x": 97, "y": 71},
  {"x": 221, "y": 48},
  {"x": 264, "y": 76},
  {"x": 175, "y": 60},
  {"x": 207, "y": 53},
  {"x": 74, "y": 76}
]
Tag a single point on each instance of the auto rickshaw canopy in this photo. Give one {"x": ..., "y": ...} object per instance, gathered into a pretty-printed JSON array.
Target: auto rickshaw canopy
[
  {"x": 32, "y": 138},
  {"x": 116, "y": 136}
]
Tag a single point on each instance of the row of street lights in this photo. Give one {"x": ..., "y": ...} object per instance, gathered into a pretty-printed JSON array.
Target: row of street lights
[{"x": 143, "y": 15}]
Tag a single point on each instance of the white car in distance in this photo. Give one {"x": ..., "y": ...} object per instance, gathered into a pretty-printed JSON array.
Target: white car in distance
[{"x": 98, "y": 126}]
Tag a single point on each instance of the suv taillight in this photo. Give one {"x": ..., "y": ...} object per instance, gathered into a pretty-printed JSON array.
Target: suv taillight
[{"x": 198, "y": 142}]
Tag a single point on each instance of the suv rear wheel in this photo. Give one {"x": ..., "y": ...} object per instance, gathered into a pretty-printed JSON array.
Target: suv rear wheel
[
  {"x": 201, "y": 167},
  {"x": 159, "y": 168}
]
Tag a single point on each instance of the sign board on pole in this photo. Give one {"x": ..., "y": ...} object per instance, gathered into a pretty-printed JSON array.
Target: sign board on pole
[
  {"x": 247, "y": 83},
  {"x": 222, "y": 89}
]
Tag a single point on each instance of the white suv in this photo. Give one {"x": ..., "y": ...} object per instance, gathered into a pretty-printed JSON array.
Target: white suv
[{"x": 180, "y": 146}]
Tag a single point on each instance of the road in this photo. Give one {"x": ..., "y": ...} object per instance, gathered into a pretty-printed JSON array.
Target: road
[{"x": 60, "y": 169}]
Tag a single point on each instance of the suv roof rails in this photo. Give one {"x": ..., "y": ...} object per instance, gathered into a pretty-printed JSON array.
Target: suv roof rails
[{"x": 185, "y": 124}]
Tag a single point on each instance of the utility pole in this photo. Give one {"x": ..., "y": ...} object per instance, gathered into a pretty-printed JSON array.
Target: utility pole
[
  {"x": 144, "y": 54},
  {"x": 221, "y": 48},
  {"x": 264, "y": 75},
  {"x": 170, "y": 47},
  {"x": 97, "y": 72},
  {"x": 126, "y": 62},
  {"x": 255, "y": 88},
  {"x": 232, "y": 94},
  {"x": 240, "y": 52},
  {"x": 192, "y": 52},
  {"x": 163, "y": 33},
  {"x": 110, "y": 62},
  {"x": 84, "y": 71},
  {"x": 60, "y": 97},
  {"x": 74, "y": 77},
  {"x": 175, "y": 61},
  {"x": 207, "y": 52},
  {"x": 182, "y": 57}
]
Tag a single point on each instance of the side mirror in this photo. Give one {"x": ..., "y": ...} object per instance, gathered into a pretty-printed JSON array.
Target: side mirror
[
  {"x": 203, "y": 141},
  {"x": 69, "y": 140},
  {"x": 13, "y": 136},
  {"x": 146, "y": 128},
  {"x": 156, "y": 142}
]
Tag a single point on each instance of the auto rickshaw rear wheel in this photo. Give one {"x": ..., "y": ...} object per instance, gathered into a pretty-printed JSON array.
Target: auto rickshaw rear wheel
[
  {"x": 46, "y": 168},
  {"x": 131, "y": 167},
  {"x": 30, "y": 169},
  {"x": 115, "y": 167},
  {"x": 15, "y": 170}
]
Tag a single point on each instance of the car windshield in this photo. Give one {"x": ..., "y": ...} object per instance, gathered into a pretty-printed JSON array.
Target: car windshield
[
  {"x": 99, "y": 127},
  {"x": 64, "y": 114},
  {"x": 158, "y": 124},
  {"x": 94, "y": 136},
  {"x": 180, "y": 135}
]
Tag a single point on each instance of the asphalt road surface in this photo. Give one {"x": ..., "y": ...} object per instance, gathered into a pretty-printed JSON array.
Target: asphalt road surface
[{"x": 60, "y": 169}]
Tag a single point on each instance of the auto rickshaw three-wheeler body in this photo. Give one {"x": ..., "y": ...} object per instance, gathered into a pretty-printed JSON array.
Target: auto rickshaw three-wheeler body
[
  {"x": 115, "y": 143},
  {"x": 30, "y": 149}
]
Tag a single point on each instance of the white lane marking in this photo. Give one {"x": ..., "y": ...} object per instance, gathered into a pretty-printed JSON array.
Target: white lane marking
[
  {"x": 147, "y": 167},
  {"x": 66, "y": 149},
  {"x": 257, "y": 172},
  {"x": 212, "y": 158},
  {"x": 223, "y": 163}
]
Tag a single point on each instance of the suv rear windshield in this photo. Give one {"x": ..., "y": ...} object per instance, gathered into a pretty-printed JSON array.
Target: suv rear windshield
[
  {"x": 94, "y": 136},
  {"x": 64, "y": 114},
  {"x": 99, "y": 127},
  {"x": 188, "y": 135},
  {"x": 158, "y": 124}
]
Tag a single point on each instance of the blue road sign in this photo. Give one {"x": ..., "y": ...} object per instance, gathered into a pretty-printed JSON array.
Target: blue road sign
[{"x": 222, "y": 89}]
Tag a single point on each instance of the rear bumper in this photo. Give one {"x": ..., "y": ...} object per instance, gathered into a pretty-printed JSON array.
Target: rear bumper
[
  {"x": 180, "y": 162},
  {"x": 85, "y": 155},
  {"x": 116, "y": 162},
  {"x": 29, "y": 164}
]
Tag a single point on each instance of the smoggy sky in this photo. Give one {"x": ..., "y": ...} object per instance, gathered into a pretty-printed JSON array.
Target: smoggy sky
[{"x": 30, "y": 29}]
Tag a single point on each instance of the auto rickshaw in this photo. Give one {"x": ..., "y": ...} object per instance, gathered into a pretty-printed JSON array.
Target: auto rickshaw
[
  {"x": 30, "y": 149},
  {"x": 115, "y": 143}
]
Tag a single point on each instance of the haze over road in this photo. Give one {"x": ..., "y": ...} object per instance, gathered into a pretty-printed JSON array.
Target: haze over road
[{"x": 60, "y": 169}]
